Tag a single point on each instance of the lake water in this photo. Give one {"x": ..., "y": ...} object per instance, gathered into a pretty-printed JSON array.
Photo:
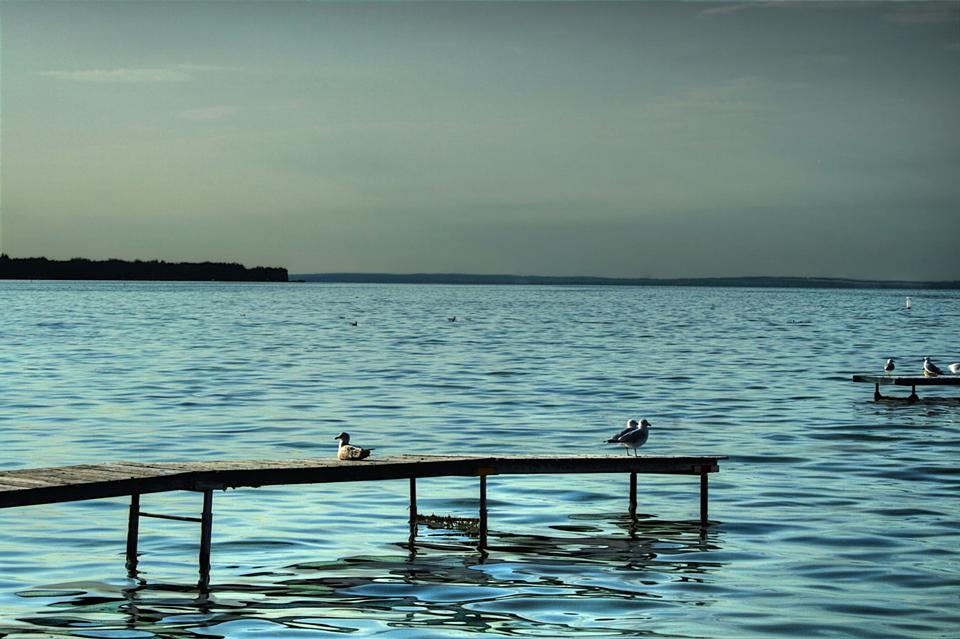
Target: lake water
[{"x": 835, "y": 516}]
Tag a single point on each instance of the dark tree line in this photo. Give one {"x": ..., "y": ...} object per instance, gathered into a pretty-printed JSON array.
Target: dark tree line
[{"x": 40, "y": 268}]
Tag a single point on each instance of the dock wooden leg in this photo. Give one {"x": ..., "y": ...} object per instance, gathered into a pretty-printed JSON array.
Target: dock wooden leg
[
  {"x": 133, "y": 534},
  {"x": 206, "y": 528},
  {"x": 413, "y": 510},
  {"x": 703, "y": 496},
  {"x": 482, "y": 544},
  {"x": 913, "y": 394},
  {"x": 876, "y": 392},
  {"x": 633, "y": 495}
]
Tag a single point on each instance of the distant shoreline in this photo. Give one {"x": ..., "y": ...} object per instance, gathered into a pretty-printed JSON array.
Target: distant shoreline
[
  {"x": 40, "y": 268},
  {"x": 520, "y": 280}
]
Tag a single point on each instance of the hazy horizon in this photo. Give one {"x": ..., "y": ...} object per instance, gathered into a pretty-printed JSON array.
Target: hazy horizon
[{"x": 629, "y": 140}]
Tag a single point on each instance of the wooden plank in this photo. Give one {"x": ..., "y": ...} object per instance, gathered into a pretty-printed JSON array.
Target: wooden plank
[
  {"x": 909, "y": 380},
  {"x": 608, "y": 464},
  {"x": 36, "y": 475},
  {"x": 33, "y": 475},
  {"x": 57, "y": 493},
  {"x": 75, "y": 476},
  {"x": 78, "y": 474},
  {"x": 156, "y": 467},
  {"x": 387, "y": 469},
  {"x": 135, "y": 470},
  {"x": 24, "y": 482},
  {"x": 93, "y": 481}
]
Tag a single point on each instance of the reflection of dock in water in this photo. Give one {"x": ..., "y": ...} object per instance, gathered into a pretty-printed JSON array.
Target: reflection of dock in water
[{"x": 26, "y": 487}]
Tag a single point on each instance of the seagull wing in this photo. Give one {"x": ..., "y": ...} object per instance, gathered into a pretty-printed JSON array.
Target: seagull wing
[
  {"x": 635, "y": 436},
  {"x": 616, "y": 439}
]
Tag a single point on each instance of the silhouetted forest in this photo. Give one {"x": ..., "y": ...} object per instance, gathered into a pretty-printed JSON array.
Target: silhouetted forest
[{"x": 40, "y": 268}]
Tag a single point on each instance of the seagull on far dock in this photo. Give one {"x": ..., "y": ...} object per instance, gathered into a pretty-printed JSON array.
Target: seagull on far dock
[
  {"x": 930, "y": 369},
  {"x": 346, "y": 452},
  {"x": 889, "y": 366},
  {"x": 954, "y": 368},
  {"x": 633, "y": 436}
]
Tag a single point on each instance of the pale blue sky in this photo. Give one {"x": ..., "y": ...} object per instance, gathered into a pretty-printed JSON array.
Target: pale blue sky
[{"x": 575, "y": 138}]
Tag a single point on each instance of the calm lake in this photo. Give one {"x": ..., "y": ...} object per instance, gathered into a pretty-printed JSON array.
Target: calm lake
[{"x": 835, "y": 516}]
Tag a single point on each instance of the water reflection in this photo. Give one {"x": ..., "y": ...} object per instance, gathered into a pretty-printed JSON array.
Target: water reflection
[{"x": 598, "y": 580}]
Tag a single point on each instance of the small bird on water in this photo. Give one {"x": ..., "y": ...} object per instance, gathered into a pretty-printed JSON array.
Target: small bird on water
[
  {"x": 954, "y": 368},
  {"x": 346, "y": 452},
  {"x": 633, "y": 436},
  {"x": 930, "y": 369},
  {"x": 889, "y": 366}
]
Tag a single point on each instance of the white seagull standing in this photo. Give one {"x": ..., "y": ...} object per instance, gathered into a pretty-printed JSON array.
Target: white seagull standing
[
  {"x": 346, "y": 452},
  {"x": 954, "y": 368},
  {"x": 889, "y": 366},
  {"x": 633, "y": 436},
  {"x": 930, "y": 369},
  {"x": 632, "y": 424}
]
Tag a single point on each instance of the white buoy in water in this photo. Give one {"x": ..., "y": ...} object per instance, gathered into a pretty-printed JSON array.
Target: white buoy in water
[{"x": 909, "y": 302}]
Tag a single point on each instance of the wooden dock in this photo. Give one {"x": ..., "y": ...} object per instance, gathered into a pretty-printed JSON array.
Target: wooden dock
[
  {"x": 905, "y": 380},
  {"x": 26, "y": 487}
]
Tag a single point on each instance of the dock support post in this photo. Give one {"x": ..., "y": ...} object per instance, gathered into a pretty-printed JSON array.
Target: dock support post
[
  {"x": 633, "y": 495},
  {"x": 483, "y": 513},
  {"x": 703, "y": 496},
  {"x": 206, "y": 528},
  {"x": 876, "y": 392},
  {"x": 133, "y": 534},
  {"x": 413, "y": 510},
  {"x": 913, "y": 394}
]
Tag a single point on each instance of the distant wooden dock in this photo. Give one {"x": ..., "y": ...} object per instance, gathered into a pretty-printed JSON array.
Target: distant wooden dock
[
  {"x": 26, "y": 487},
  {"x": 905, "y": 380}
]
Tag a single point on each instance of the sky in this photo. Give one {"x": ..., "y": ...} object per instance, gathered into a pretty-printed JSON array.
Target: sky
[{"x": 634, "y": 139}]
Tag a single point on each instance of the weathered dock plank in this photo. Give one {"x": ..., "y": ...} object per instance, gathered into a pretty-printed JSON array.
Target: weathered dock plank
[
  {"x": 25, "y": 481},
  {"x": 25, "y": 487},
  {"x": 136, "y": 470},
  {"x": 906, "y": 380},
  {"x": 909, "y": 380},
  {"x": 28, "y": 487}
]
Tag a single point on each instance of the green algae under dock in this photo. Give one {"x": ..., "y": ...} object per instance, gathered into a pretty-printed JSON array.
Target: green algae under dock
[{"x": 26, "y": 487}]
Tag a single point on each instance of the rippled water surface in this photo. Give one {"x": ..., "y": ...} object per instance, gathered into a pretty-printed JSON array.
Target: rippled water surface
[{"x": 834, "y": 516}]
